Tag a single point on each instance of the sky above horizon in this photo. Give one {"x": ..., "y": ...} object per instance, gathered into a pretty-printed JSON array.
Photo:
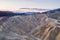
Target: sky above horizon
[{"x": 16, "y": 4}]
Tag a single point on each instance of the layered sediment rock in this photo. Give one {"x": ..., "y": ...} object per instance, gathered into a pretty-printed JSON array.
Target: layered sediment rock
[{"x": 30, "y": 27}]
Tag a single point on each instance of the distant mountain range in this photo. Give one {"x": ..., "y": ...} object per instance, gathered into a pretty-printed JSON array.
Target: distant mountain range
[
  {"x": 50, "y": 13},
  {"x": 54, "y": 10}
]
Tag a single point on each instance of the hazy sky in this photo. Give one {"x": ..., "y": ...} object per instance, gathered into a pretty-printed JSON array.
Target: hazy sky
[{"x": 16, "y": 4}]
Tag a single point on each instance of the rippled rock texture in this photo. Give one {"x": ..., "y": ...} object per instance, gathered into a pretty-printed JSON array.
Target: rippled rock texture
[{"x": 30, "y": 27}]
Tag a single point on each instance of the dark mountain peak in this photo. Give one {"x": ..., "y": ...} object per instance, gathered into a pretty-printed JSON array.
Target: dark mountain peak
[{"x": 54, "y": 10}]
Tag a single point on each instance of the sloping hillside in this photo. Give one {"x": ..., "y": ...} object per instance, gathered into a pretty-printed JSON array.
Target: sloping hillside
[
  {"x": 21, "y": 25},
  {"x": 54, "y": 13}
]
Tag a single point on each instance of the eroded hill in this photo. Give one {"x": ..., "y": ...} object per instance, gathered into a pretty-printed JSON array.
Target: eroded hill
[{"x": 29, "y": 27}]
